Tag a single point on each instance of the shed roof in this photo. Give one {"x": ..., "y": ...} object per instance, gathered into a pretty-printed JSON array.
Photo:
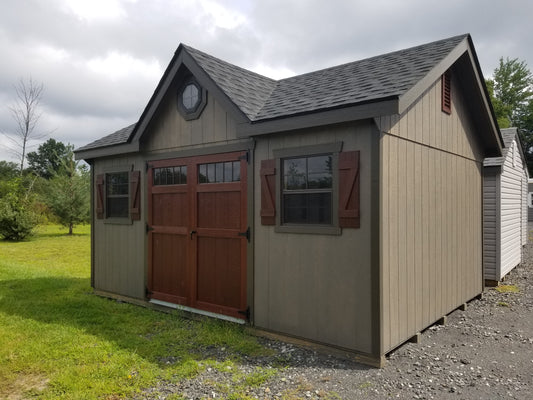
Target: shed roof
[
  {"x": 361, "y": 89},
  {"x": 509, "y": 135}
]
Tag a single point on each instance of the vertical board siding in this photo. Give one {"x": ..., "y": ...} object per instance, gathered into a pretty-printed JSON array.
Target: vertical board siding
[
  {"x": 490, "y": 224},
  {"x": 316, "y": 286},
  {"x": 119, "y": 249},
  {"x": 431, "y": 215},
  {"x": 169, "y": 131}
]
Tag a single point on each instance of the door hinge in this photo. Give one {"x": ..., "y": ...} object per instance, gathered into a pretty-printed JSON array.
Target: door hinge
[
  {"x": 246, "y": 313},
  {"x": 246, "y": 234},
  {"x": 147, "y": 166},
  {"x": 245, "y": 156},
  {"x": 148, "y": 292},
  {"x": 149, "y": 228}
]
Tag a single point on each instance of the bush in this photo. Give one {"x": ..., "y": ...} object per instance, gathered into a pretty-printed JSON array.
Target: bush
[{"x": 17, "y": 219}]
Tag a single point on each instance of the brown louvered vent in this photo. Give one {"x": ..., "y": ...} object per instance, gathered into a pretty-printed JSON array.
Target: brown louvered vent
[{"x": 447, "y": 93}]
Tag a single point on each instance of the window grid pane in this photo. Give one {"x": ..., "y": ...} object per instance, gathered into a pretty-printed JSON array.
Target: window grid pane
[
  {"x": 170, "y": 175},
  {"x": 117, "y": 195},
  {"x": 222, "y": 172},
  {"x": 307, "y": 190}
]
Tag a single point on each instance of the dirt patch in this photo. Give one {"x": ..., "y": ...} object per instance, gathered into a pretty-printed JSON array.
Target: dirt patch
[{"x": 25, "y": 387}]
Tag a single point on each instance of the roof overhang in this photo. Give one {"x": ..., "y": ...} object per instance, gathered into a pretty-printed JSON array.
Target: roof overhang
[
  {"x": 327, "y": 117},
  {"x": 118, "y": 149}
]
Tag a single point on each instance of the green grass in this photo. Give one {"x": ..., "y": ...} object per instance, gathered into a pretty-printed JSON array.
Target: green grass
[
  {"x": 507, "y": 289},
  {"x": 59, "y": 341}
]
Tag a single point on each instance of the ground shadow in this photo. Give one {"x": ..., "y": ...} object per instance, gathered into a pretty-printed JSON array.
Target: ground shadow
[{"x": 70, "y": 301}]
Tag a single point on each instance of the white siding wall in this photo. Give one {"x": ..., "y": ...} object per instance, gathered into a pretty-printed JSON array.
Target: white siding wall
[{"x": 511, "y": 212}]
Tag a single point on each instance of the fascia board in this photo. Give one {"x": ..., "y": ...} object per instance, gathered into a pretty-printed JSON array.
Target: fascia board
[
  {"x": 107, "y": 151},
  {"x": 327, "y": 117},
  {"x": 409, "y": 97}
]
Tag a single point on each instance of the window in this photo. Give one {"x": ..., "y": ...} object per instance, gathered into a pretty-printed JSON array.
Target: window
[
  {"x": 307, "y": 190},
  {"x": 170, "y": 175},
  {"x": 221, "y": 172},
  {"x": 117, "y": 195},
  {"x": 311, "y": 189},
  {"x": 192, "y": 99}
]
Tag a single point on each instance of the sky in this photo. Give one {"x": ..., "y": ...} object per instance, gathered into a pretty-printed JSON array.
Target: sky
[{"x": 99, "y": 61}]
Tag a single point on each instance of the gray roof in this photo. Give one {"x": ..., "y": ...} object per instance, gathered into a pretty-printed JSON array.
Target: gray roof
[
  {"x": 261, "y": 99},
  {"x": 508, "y": 135},
  {"x": 119, "y": 137}
]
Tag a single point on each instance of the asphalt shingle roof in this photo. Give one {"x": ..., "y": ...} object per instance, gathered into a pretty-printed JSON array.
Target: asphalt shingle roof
[
  {"x": 261, "y": 98},
  {"x": 119, "y": 137}
]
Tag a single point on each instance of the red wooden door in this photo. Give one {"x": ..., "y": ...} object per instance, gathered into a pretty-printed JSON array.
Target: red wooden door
[{"x": 197, "y": 232}]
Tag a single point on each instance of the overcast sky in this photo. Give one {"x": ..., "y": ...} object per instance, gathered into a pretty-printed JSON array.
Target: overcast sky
[{"x": 100, "y": 60}]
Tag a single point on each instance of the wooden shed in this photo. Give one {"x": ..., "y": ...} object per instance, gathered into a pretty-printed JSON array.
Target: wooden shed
[
  {"x": 342, "y": 207},
  {"x": 505, "y": 214}
]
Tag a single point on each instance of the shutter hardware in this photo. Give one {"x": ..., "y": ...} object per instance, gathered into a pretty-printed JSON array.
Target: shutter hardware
[{"x": 149, "y": 228}]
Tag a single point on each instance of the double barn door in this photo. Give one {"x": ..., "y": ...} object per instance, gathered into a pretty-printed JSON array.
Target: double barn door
[{"x": 198, "y": 232}]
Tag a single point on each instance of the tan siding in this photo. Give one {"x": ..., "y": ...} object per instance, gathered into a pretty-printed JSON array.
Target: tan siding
[
  {"x": 431, "y": 216},
  {"x": 119, "y": 261},
  {"x": 315, "y": 286},
  {"x": 170, "y": 132}
]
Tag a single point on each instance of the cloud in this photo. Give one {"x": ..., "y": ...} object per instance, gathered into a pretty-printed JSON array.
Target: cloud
[{"x": 100, "y": 60}]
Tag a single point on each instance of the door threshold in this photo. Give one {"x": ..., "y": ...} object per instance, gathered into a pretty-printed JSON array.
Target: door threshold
[{"x": 197, "y": 311}]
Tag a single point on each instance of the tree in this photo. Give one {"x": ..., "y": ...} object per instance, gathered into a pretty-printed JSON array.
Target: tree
[
  {"x": 68, "y": 193},
  {"x": 26, "y": 114},
  {"x": 47, "y": 160},
  {"x": 511, "y": 91},
  {"x": 17, "y": 217},
  {"x": 8, "y": 170}
]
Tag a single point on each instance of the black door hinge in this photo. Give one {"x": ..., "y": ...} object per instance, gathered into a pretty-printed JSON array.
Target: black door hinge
[
  {"x": 149, "y": 228},
  {"x": 147, "y": 166},
  {"x": 246, "y": 313},
  {"x": 245, "y": 156},
  {"x": 246, "y": 234},
  {"x": 148, "y": 292}
]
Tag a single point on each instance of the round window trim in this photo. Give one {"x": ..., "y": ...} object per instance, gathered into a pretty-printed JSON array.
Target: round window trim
[{"x": 192, "y": 99}]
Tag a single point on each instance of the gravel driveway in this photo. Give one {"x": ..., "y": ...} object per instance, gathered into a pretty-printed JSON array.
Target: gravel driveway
[{"x": 485, "y": 352}]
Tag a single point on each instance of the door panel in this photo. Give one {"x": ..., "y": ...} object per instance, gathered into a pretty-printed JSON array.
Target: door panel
[
  {"x": 219, "y": 271},
  {"x": 197, "y": 250},
  {"x": 170, "y": 281}
]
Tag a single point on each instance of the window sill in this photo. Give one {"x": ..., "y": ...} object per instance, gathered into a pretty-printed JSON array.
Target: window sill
[
  {"x": 118, "y": 221},
  {"x": 311, "y": 229}
]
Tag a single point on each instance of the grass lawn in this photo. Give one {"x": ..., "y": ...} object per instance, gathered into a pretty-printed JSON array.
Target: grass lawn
[{"x": 59, "y": 341}]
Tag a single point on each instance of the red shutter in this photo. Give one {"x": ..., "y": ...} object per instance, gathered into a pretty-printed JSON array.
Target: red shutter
[
  {"x": 100, "y": 196},
  {"x": 135, "y": 195},
  {"x": 268, "y": 192},
  {"x": 349, "y": 189}
]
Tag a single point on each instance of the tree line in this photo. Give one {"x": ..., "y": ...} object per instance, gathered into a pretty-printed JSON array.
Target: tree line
[{"x": 54, "y": 187}]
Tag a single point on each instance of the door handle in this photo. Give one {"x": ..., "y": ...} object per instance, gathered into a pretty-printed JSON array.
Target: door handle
[{"x": 192, "y": 233}]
